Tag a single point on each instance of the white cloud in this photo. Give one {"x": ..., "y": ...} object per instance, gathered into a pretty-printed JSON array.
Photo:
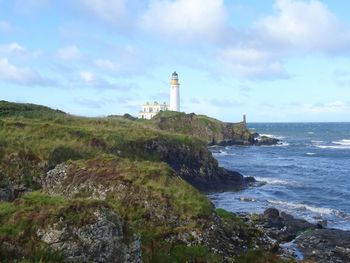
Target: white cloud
[
  {"x": 91, "y": 80},
  {"x": 87, "y": 77},
  {"x": 69, "y": 53},
  {"x": 299, "y": 27},
  {"x": 329, "y": 107},
  {"x": 305, "y": 25},
  {"x": 106, "y": 64},
  {"x": 5, "y": 26},
  {"x": 12, "y": 48},
  {"x": 183, "y": 20},
  {"x": 110, "y": 11},
  {"x": 342, "y": 78},
  {"x": 30, "y": 6},
  {"x": 252, "y": 63},
  {"x": 17, "y": 75}
]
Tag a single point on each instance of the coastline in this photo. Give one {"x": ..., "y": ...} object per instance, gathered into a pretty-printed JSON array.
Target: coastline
[
  {"x": 296, "y": 236},
  {"x": 143, "y": 181}
]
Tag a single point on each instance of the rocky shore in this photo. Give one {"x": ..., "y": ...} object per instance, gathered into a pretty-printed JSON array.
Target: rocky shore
[
  {"x": 118, "y": 189},
  {"x": 300, "y": 240}
]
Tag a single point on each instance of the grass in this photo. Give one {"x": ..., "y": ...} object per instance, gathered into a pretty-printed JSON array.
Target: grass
[
  {"x": 154, "y": 201},
  {"x": 206, "y": 128},
  {"x": 111, "y": 152},
  {"x": 33, "y": 139},
  {"x": 20, "y": 220},
  {"x": 259, "y": 256}
]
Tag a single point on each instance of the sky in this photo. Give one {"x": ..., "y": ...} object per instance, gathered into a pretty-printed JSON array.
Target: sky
[{"x": 273, "y": 60}]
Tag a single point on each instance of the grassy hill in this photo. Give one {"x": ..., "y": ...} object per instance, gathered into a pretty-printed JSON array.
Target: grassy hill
[
  {"x": 67, "y": 180},
  {"x": 208, "y": 129}
]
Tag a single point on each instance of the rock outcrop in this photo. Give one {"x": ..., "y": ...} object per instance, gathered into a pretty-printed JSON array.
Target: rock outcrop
[
  {"x": 210, "y": 130},
  {"x": 195, "y": 164},
  {"x": 153, "y": 198},
  {"x": 325, "y": 245},
  {"x": 299, "y": 238},
  {"x": 213, "y": 131},
  {"x": 101, "y": 240}
]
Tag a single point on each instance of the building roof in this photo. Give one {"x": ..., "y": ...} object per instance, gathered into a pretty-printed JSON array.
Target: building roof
[{"x": 175, "y": 74}]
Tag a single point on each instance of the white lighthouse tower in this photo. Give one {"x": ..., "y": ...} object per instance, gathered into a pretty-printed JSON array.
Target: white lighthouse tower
[{"x": 175, "y": 92}]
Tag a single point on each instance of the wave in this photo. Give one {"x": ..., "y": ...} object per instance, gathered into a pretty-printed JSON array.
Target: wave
[
  {"x": 341, "y": 147},
  {"x": 317, "y": 210},
  {"x": 273, "y": 180},
  {"x": 223, "y": 153},
  {"x": 279, "y": 144},
  {"x": 310, "y": 154},
  {"x": 343, "y": 142},
  {"x": 247, "y": 199},
  {"x": 271, "y": 136},
  {"x": 317, "y": 142}
]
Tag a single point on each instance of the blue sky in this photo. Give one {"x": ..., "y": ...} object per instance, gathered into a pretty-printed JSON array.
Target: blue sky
[{"x": 281, "y": 60}]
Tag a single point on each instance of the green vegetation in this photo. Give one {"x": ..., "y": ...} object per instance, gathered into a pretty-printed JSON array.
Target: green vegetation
[
  {"x": 34, "y": 139},
  {"x": 173, "y": 206},
  {"x": 20, "y": 220},
  {"x": 208, "y": 129},
  {"x": 258, "y": 256},
  {"x": 122, "y": 161}
]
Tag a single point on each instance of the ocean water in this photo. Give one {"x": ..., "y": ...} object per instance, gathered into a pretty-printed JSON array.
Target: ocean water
[{"x": 308, "y": 175}]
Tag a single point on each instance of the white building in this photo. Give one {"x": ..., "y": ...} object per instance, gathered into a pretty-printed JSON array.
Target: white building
[
  {"x": 174, "y": 92},
  {"x": 149, "y": 110}
]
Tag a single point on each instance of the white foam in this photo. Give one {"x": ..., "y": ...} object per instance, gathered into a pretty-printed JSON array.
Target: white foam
[
  {"x": 317, "y": 210},
  {"x": 342, "y": 142},
  {"x": 279, "y": 144},
  {"x": 224, "y": 153},
  {"x": 333, "y": 146},
  {"x": 247, "y": 199},
  {"x": 310, "y": 154},
  {"x": 272, "y": 180},
  {"x": 314, "y": 141},
  {"x": 271, "y": 136}
]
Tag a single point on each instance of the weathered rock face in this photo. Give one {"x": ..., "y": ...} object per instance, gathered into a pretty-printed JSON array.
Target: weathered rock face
[
  {"x": 154, "y": 210},
  {"x": 264, "y": 140},
  {"x": 9, "y": 191},
  {"x": 196, "y": 165},
  {"x": 308, "y": 241},
  {"x": 278, "y": 225},
  {"x": 101, "y": 240},
  {"x": 213, "y": 131},
  {"x": 325, "y": 245}
]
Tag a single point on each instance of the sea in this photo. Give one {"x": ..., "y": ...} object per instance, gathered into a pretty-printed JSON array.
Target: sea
[{"x": 306, "y": 175}]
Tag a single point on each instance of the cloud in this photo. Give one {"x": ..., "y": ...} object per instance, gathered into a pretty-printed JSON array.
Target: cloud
[
  {"x": 17, "y": 75},
  {"x": 30, "y": 6},
  {"x": 90, "y": 79},
  {"x": 299, "y": 27},
  {"x": 5, "y": 26},
  {"x": 109, "y": 11},
  {"x": 252, "y": 63},
  {"x": 69, "y": 53},
  {"x": 12, "y": 48},
  {"x": 185, "y": 20},
  {"x": 92, "y": 103},
  {"x": 123, "y": 59},
  {"x": 328, "y": 107},
  {"x": 106, "y": 64},
  {"x": 342, "y": 78},
  {"x": 306, "y": 26}
]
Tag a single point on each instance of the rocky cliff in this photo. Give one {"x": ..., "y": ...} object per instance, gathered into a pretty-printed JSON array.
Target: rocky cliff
[
  {"x": 211, "y": 130},
  {"x": 112, "y": 189}
]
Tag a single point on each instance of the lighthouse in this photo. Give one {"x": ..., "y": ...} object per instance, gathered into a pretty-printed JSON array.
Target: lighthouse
[{"x": 174, "y": 92}]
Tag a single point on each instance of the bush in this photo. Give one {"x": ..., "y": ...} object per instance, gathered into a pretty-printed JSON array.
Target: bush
[{"x": 62, "y": 154}]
